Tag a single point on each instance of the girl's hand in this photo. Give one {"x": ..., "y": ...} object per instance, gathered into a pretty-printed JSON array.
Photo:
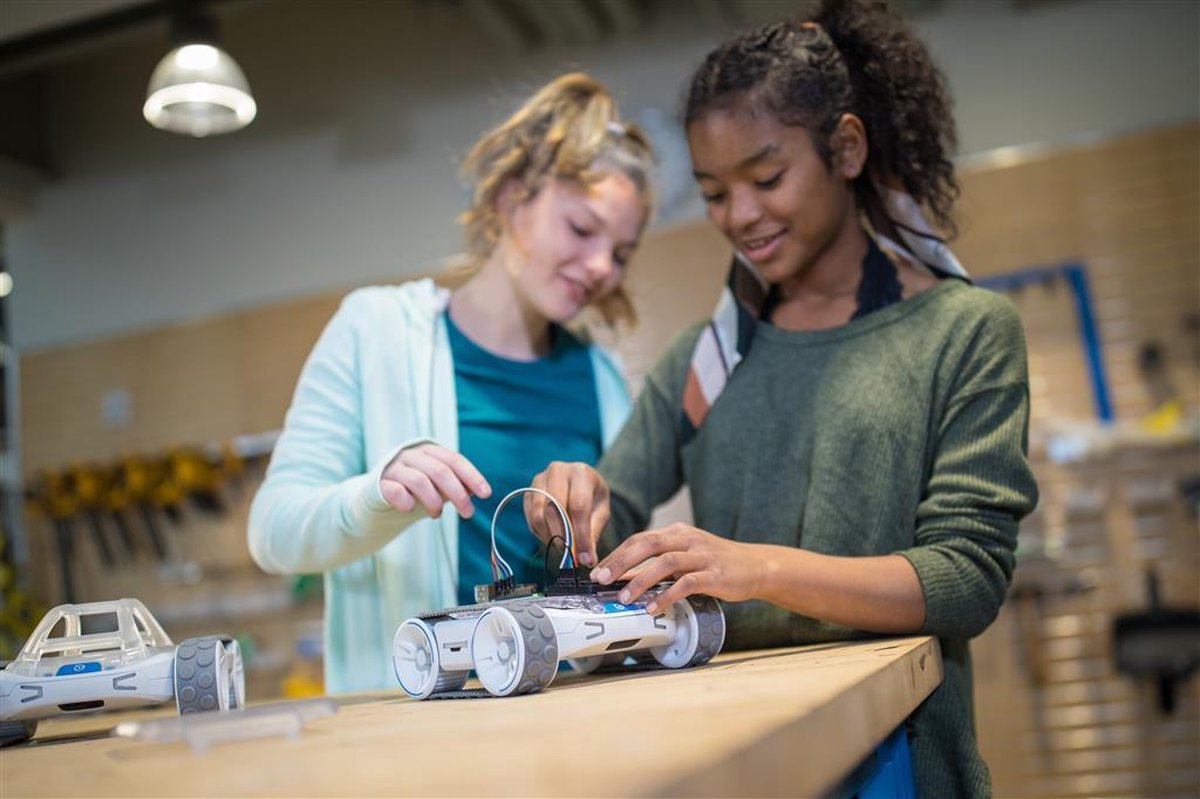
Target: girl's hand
[
  {"x": 432, "y": 476},
  {"x": 698, "y": 562},
  {"x": 583, "y": 494}
]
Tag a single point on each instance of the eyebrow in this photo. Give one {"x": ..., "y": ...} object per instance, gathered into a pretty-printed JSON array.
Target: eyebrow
[
  {"x": 766, "y": 152},
  {"x": 597, "y": 219}
]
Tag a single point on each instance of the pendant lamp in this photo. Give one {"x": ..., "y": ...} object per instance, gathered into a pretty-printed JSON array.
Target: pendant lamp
[{"x": 197, "y": 89}]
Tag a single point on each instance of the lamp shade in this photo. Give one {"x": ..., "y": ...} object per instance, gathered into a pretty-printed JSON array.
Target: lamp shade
[{"x": 198, "y": 90}]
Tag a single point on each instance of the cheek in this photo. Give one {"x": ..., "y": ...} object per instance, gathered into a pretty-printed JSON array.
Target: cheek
[
  {"x": 545, "y": 248},
  {"x": 718, "y": 216},
  {"x": 807, "y": 208},
  {"x": 560, "y": 243}
]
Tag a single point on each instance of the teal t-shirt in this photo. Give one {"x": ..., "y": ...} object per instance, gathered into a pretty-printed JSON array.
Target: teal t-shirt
[{"x": 514, "y": 418}]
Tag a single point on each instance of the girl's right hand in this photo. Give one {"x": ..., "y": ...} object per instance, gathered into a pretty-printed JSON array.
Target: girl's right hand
[
  {"x": 432, "y": 476},
  {"x": 583, "y": 494}
]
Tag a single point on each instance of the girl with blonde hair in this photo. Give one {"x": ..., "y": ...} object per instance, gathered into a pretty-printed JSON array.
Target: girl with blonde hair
[{"x": 422, "y": 395}]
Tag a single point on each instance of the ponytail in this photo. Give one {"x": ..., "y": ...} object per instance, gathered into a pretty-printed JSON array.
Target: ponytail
[{"x": 851, "y": 56}]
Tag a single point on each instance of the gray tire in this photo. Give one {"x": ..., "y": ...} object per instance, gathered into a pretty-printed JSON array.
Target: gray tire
[
  {"x": 514, "y": 649},
  {"x": 209, "y": 675},
  {"x": 710, "y": 620},
  {"x": 699, "y": 633},
  {"x": 15, "y": 732}
]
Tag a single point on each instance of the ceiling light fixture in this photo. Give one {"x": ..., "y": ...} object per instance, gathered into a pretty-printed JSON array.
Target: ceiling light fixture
[{"x": 197, "y": 89}]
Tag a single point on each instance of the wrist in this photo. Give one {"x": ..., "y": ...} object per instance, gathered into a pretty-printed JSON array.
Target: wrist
[
  {"x": 777, "y": 578},
  {"x": 769, "y": 573}
]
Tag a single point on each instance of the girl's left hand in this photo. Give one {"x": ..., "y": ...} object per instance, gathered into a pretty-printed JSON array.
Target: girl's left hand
[{"x": 698, "y": 562}]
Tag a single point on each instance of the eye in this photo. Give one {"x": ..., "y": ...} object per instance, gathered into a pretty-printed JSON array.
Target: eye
[
  {"x": 713, "y": 198},
  {"x": 579, "y": 230},
  {"x": 620, "y": 259},
  {"x": 770, "y": 182}
]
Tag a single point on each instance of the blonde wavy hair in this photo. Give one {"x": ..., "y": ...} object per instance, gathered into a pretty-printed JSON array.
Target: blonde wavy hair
[{"x": 569, "y": 130}]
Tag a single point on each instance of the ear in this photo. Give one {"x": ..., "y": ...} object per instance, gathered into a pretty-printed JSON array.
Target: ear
[
  {"x": 849, "y": 145},
  {"x": 510, "y": 197}
]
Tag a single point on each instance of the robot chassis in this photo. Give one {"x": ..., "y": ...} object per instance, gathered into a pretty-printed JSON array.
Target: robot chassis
[
  {"x": 514, "y": 644},
  {"x": 135, "y": 665}
]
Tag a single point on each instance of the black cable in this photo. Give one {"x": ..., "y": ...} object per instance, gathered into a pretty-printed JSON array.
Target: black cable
[{"x": 546, "y": 559}]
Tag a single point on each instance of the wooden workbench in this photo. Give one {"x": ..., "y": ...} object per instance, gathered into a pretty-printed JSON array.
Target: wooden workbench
[{"x": 781, "y": 722}]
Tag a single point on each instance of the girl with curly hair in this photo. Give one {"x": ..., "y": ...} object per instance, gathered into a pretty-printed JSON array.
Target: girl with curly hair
[{"x": 852, "y": 422}]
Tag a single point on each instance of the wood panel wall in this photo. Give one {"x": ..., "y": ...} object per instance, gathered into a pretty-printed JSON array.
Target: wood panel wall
[{"x": 1054, "y": 717}]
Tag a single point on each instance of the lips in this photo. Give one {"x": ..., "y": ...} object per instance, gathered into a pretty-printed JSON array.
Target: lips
[
  {"x": 580, "y": 292},
  {"x": 761, "y": 247}
]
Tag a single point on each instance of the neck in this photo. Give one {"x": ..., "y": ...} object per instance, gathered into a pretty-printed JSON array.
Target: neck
[
  {"x": 492, "y": 313},
  {"x": 835, "y": 273}
]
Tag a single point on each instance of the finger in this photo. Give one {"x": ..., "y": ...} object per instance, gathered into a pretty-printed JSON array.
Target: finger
[
  {"x": 397, "y": 495},
  {"x": 665, "y": 567},
  {"x": 421, "y": 487},
  {"x": 581, "y": 498},
  {"x": 600, "y": 516},
  {"x": 533, "y": 513},
  {"x": 679, "y": 591},
  {"x": 540, "y": 509},
  {"x": 631, "y": 552},
  {"x": 558, "y": 486},
  {"x": 466, "y": 472},
  {"x": 446, "y": 481}
]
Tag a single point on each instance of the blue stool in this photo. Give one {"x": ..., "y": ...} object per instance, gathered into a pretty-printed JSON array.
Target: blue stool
[{"x": 886, "y": 774}]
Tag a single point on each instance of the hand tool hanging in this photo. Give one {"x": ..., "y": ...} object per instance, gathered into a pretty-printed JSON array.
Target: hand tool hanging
[
  {"x": 50, "y": 498},
  {"x": 114, "y": 501},
  {"x": 191, "y": 474},
  {"x": 86, "y": 484},
  {"x": 133, "y": 486},
  {"x": 167, "y": 492}
]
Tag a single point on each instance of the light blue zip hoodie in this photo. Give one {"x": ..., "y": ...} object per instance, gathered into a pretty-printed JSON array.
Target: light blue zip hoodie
[{"x": 379, "y": 379}]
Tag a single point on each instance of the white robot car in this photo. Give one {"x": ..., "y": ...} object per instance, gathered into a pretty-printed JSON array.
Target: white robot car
[
  {"x": 514, "y": 645},
  {"x": 62, "y": 670}
]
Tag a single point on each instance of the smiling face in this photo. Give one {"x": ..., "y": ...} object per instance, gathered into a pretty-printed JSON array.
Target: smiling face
[
  {"x": 570, "y": 243},
  {"x": 769, "y": 191}
]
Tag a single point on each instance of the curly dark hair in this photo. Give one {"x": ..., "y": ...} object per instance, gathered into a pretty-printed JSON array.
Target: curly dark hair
[{"x": 851, "y": 56}]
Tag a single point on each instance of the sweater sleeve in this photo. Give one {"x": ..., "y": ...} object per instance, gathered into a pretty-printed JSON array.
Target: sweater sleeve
[
  {"x": 643, "y": 467},
  {"x": 980, "y": 483},
  {"x": 320, "y": 505}
]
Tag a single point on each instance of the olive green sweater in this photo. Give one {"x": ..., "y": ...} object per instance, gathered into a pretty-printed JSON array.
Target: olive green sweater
[{"x": 904, "y": 431}]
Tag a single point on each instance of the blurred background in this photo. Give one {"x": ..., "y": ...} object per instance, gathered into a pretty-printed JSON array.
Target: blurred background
[{"x": 159, "y": 293}]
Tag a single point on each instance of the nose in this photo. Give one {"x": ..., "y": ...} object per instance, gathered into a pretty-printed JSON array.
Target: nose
[
  {"x": 601, "y": 265},
  {"x": 741, "y": 211}
]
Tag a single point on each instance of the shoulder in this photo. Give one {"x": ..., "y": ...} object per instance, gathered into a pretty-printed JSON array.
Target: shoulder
[
  {"x": 986, "y": 316},
  {"x": 407, "y": 306},
  {"x": 968, "y": 303},
  {"x": 418, "y": 297},
  {"x": 983, "y": 336}
]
